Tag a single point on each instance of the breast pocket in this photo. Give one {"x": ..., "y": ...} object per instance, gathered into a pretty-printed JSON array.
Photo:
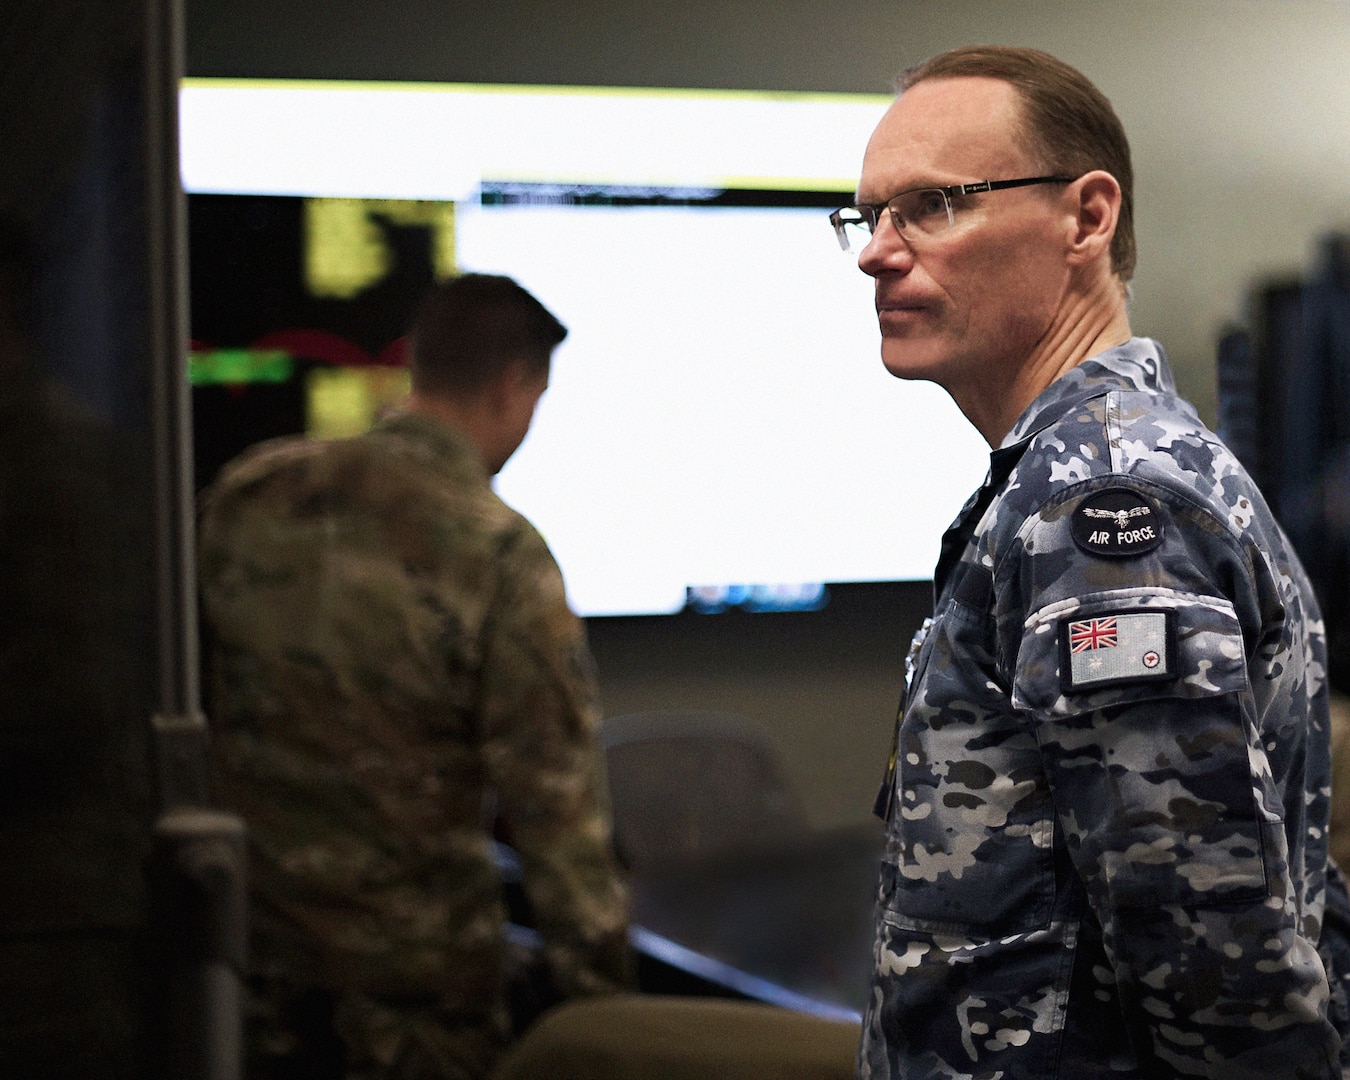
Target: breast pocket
[{"x": 969, "y": 841}]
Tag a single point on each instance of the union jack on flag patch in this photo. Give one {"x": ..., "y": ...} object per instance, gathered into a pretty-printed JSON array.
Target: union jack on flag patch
[{"x": 1093, "y": 634}]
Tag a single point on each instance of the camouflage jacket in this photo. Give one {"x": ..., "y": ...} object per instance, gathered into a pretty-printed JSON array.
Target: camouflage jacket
[
  {"x": 392, "y": 653},
  {"x": 1106, "y": 838}
]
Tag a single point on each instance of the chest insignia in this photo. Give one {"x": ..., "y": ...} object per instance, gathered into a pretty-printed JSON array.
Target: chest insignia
[{"x": 1117, "y": 522}]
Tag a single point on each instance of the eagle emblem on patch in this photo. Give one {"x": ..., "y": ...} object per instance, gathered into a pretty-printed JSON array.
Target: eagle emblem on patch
[{"x": 1117, "y": 522}]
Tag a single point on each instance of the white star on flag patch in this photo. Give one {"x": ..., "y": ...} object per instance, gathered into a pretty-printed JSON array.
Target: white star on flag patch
[{"x": 1122, "y": 647}]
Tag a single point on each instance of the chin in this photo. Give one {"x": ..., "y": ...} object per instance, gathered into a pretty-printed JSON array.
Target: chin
[{"x": 908, "y": 360}]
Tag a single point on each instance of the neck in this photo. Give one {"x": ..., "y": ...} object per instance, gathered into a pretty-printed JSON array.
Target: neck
[
  {"x": 1090, "y": 323},
  {"x": 466, "y": 416}
]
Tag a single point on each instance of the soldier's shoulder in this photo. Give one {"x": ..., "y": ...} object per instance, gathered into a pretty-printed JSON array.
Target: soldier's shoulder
[
  {"x": 1135, "y": 436},
  {"x": 271, "y": 480},
  {"x": 259, "y": 462},
  {"x": 523, "y": 553}
]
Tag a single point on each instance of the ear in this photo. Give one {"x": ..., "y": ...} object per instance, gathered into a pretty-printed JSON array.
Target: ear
[
  {"x": 502, "y": 392},
  {"x": 1095, "y": 200}
]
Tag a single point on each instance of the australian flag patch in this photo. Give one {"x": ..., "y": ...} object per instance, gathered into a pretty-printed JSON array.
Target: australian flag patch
[{"x": 1118, "y": 647}]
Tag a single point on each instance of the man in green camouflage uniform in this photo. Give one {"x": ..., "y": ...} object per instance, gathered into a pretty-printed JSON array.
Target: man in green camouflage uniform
[
  {"x": 393, "y": 657},
  {"x": 1108, "y": 801}
]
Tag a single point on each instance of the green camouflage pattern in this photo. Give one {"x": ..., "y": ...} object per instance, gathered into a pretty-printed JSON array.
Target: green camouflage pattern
[
  {"x": 392, "y": 662},
  {"x": 1127, "y": 878}
]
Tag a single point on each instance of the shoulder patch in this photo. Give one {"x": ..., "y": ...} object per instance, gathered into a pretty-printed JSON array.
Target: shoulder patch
[
  {"x": 1118, "y": 521},
  {"x": 1116, "y": 647}
]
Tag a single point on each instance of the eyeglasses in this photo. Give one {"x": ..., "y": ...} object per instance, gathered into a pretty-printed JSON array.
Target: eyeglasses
[{"x": 919, "y": 213}]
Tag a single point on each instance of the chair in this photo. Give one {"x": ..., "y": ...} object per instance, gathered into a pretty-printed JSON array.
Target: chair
[
  {"x": 635, "y": 1037},
  {"x": 731, "y": 884},
  {"x": 693, "y": 785}
]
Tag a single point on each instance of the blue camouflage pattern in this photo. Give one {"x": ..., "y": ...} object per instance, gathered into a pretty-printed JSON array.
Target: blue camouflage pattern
[{"x": 1124, "y": 878}]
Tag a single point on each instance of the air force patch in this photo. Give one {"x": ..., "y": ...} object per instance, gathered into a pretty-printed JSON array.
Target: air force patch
[{"x": 1117, "y": 521}]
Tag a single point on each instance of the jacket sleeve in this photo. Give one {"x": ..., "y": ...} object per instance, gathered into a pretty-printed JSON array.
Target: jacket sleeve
[
  {"x": 540, "y": 718},
  {"x": 1176, "y": 822}
]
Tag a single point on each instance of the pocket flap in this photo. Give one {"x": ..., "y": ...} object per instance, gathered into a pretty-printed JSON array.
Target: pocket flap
[{"x": 1127, "y": 645}]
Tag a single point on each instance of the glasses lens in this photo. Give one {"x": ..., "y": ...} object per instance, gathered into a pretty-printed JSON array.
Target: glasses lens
[
  {"x": 852, "y": 227},
  {"x": 921, "y": 213}
]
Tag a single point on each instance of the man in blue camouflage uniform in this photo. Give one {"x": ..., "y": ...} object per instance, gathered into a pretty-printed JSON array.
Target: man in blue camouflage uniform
[
  {"x": 393, "y": 656},
  {"x": 1108, "y": 799}
]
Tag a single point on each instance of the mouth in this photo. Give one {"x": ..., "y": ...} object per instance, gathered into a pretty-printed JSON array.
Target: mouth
[
  {"x": 897, "y": 313},
  {"x": 896, "y": 300}
]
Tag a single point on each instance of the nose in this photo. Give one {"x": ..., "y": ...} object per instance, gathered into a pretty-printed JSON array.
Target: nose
[{"x": 886, "y": 250}]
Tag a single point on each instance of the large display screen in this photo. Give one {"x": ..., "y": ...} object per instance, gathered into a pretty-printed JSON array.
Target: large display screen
[{"x": 719, "y": 430}]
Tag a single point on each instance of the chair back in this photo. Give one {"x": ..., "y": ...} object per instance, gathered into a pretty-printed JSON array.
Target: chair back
[{"x": 692, "y": 785}]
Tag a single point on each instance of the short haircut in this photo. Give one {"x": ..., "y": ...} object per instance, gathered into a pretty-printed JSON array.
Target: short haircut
[
  {"x": 472, "y": 327},
  {"x": 1070, "y": 124}
]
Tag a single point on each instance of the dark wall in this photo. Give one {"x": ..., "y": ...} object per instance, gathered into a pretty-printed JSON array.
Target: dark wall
[{"x": 792, "y": 45}]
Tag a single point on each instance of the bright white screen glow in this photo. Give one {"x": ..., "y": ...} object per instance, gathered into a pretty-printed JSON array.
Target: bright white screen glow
[{"x": 718, "y": 414}]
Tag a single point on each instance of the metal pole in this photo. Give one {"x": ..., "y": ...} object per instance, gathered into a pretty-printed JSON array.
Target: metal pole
[{"x": 199, "y": 898}]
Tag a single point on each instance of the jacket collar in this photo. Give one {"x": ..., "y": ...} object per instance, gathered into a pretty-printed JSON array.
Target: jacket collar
[
  {"x": 1139, "y": 364},
  {"x": 438, "y": 440}
]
